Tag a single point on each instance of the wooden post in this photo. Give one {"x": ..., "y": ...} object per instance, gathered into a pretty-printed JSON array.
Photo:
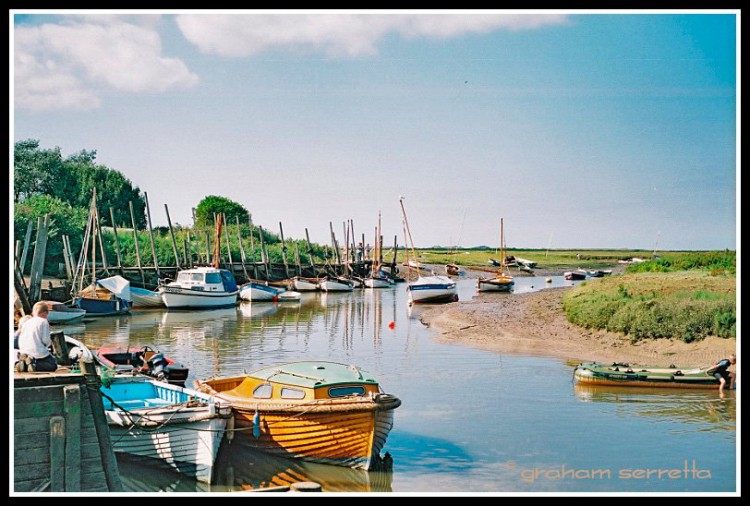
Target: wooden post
[
  {"x": 216, "y": 262},
  {"x": 26, "y": 243},
  {"x": 117, "y": 239},
  {"x": 135, "y": 240},
  {"x": 174, "y": 242},
  {"x": 242, "y": 249},
  {"x": 334, "y": 245},
  {"x": 20, "y": 287},
  {"x": 73, "y": 409},
  {"x": 283, "y": 251},
  {"x": 37, "y": 261},
  {"x": 109, "y": 463},
  {"x": 66, "y": 258},
  {"x": 309, "y": 252},
  {"x": 184, "y": 253},
  {"x": 296, "y": 257},
  {"x": 105, "y": 266},
  {"x": 57, "y": 453},
  {"x": 208, "y": 248},
  {"x": 263, "y": 252},
  {"x": 151, "y": 235},
  {"x": 395, "y": 251},
  {"x": 229, "y": 249}
]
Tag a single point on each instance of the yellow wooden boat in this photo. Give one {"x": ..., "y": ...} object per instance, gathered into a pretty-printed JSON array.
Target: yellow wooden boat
[{"x": 317, "y": 411}]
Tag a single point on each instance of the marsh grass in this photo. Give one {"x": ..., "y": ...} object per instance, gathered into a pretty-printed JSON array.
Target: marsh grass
[{"x": 687, "y": 305}]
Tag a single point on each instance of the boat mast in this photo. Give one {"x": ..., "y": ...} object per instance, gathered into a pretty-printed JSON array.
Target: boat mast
[{"x": 407, "y": 230}]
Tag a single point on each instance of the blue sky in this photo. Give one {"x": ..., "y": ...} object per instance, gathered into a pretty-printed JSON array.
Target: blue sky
[{"x": 580, "y": 129}]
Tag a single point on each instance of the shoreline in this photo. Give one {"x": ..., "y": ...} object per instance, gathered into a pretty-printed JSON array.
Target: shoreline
[{"x": 534, "y": 324}]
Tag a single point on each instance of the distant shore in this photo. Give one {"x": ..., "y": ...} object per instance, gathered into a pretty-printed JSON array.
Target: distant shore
[{"x": 535, "y": 324}]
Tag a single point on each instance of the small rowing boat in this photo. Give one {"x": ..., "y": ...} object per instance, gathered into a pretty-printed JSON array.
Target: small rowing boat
[{"x": 623, "y": 374}]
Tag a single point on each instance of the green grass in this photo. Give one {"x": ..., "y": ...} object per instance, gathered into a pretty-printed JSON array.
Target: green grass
[{"x": 687, "y": 305}]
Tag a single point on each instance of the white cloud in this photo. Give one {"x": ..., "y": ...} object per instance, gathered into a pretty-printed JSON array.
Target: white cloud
[
  {"x": 337, "y": 35},
  {"x": 60, "y": 66}
]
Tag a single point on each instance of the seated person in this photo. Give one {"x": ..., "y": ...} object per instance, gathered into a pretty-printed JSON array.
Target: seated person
[{"x": 34, "y": 341}]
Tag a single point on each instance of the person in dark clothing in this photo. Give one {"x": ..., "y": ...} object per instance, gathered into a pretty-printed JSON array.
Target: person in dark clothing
[{"x": 721, "y": 373}]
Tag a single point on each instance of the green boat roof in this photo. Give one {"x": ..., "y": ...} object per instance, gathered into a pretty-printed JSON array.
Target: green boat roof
[{"x": 313, "y": 374}]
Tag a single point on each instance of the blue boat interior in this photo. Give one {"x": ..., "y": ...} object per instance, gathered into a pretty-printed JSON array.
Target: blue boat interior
[{"x": 137, "y": 395}]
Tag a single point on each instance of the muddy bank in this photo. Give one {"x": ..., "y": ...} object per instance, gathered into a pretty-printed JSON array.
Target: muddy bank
[{"x": 535, "y": 324}]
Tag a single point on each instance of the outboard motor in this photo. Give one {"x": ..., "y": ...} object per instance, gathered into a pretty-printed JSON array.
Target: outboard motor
[{"x": 156, "y": 365}]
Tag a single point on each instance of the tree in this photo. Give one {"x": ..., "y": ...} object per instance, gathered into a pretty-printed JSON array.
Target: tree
[{"x": 204, "y": 213}]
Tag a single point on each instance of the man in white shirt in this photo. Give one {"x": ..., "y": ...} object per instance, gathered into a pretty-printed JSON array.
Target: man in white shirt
[{"x": 34, "y": 342}]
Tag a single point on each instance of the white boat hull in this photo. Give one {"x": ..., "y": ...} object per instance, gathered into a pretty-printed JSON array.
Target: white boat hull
[
  {"x": 432, "y": 289},
  {"x": 333, "y": 285},
  {"x": 259, "y": 293},
  {"x": 183, "y": 298},
  {"x": 188, "y": 447},
  {"x": 488, "y": 285},
  {"x": 145, "y": 298},
  {"x": 303, "y": 285},
  {"x": 376, "y": 283}
]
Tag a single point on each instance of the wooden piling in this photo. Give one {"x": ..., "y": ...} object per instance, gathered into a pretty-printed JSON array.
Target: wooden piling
[
  {"x": 242, "y": 248},
  {"x": 72, "y": 409},
  {"x": 117, "y": 239},
  {"x": 26, "y": 243},
  {"x": 66, "y": 258},
  {"x": 226, "y": 236},
  {"x": 151, "y": 234},
  {"x": 37, "y": 260},
  {"x": 283, "y": 251},
  {"x": 174, "y": 242},
  {"x": 135, "y": 241}
]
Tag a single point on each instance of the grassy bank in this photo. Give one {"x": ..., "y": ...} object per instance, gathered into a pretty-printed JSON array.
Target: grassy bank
[
  {"x": 687, "y": 305},
  {"x": 478, "y": 257}
]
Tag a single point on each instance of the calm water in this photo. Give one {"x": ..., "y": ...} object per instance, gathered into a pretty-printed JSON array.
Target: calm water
[{"x": 471, "y": 421}]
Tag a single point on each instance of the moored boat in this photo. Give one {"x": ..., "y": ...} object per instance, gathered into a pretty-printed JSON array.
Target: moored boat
[
  {"x": 258, "y": 291},
  {"x": 200, "y": 288},
  {"x": 574, "y": 275},
  {"x": 336, "y": 284},
  {"x": 432, "y": 289},
  {"x": 142, "y": 297},
  {"x": 301, "y": 284},
  {"x": 60, "y": 313},
  {"x": 316, "y": 411},
  {"x": 179, "y": 426},
  {"x": 623, "y": 374},
  {"x": 145, "y": 361},
  {"x": 502, "y": 281},
  {"x": 105, "y": 297}
]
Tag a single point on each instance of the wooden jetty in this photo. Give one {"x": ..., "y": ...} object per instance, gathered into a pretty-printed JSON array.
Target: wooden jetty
[{"x": 61, "y": 441}]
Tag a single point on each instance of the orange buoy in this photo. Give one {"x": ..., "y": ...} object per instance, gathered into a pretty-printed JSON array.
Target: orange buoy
[{"x": 392, "y": 325}]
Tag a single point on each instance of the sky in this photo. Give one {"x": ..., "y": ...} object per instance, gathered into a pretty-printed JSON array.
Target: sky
[{"x": 580, "y": 129}]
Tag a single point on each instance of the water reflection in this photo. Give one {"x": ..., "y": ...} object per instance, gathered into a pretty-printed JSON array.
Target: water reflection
[
  {"x": 693, "y": 410},
  {"x": 238, "y": 468},
  {"x": 470, "y": 420}
]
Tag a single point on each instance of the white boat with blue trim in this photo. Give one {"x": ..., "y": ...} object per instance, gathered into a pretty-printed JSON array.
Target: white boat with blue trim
[
  {"x": 179, "y": 426},
  {"x": 200, "y": 288}
]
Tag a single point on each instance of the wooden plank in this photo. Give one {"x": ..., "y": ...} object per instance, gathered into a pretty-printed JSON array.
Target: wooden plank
[
  {"x": 31, "y": 485},
  {"x": 72, "y": 402},
  {"x": 57, "y": 453},
  {"x": 38, "y": 394},
  {"x": 39, "y": 409}
]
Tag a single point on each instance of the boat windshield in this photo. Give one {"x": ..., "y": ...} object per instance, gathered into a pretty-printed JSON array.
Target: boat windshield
[{"x": 213, "y": 277}]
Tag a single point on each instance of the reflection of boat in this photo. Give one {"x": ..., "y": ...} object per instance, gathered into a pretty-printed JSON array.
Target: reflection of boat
[
  {"x": 200, "y": 288},
  {"x": 620, "y": 374},
  {"x": 145, "y": 298},
  {"x": 60, "y": 313},
  {"x": 502, "y": 281},
  {"x": 145, "y": 360},
  {"x": 239, "y": 468},
  {"x": 141, "y": 474},
  {"x": 250, "y": 310},
  {"x": 179, "y": 426},
  {"x": 317, "y": 411}
]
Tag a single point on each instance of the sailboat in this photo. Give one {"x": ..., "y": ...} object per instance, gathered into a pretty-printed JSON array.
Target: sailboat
[
  {"x": 426, "y": 289},
  {"x": 376, "y": 279},
  {"x": 503, "y": 281},
  {"x": 101, "y": 297}
]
